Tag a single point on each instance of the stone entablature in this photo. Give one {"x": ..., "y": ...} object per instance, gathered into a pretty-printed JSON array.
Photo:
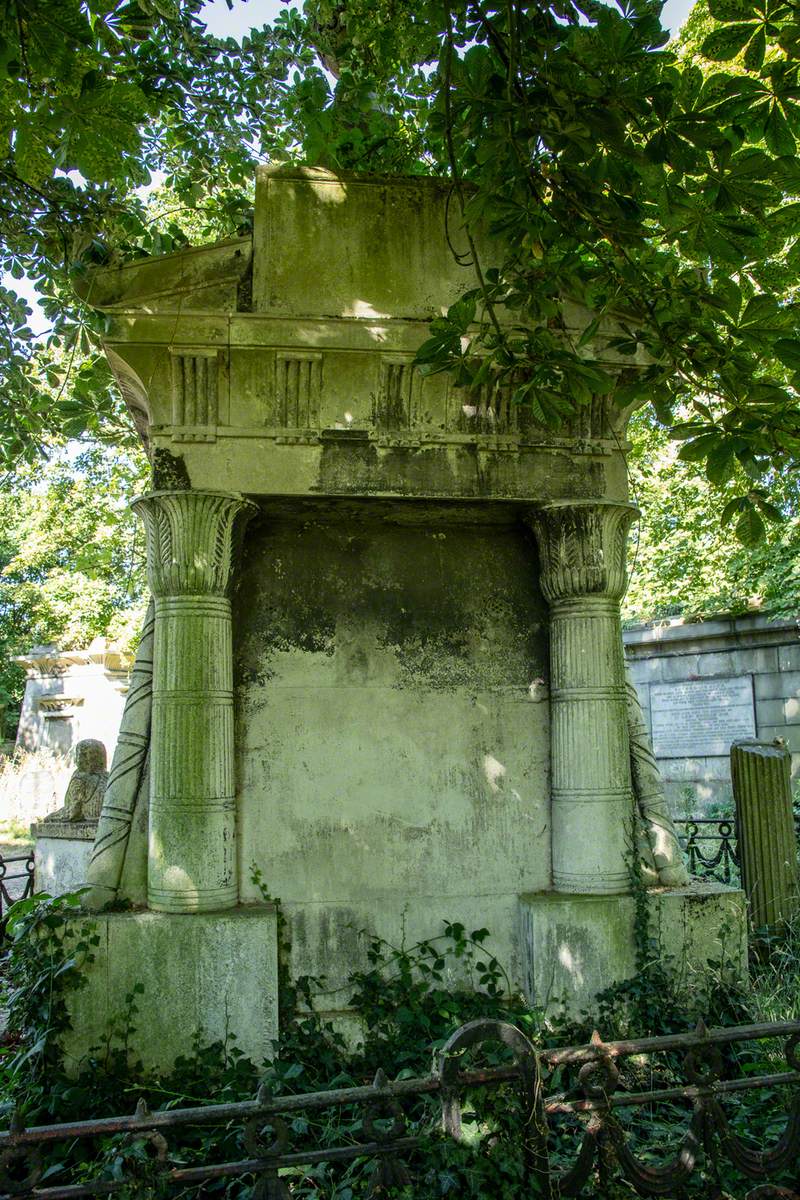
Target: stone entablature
[{"x": 294, "y": 351}]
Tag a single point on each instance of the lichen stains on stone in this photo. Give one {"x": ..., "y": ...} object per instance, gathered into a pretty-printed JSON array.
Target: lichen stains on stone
[
  {"x": 348, "y": 469},
  {"x": 169, "y": 471}
]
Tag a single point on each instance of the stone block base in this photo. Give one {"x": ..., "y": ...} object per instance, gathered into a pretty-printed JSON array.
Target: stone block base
[
  {"x": 215, "y": 974},
  {"x": 63, "y": 850},
  {"x": 574, "y": 946}
]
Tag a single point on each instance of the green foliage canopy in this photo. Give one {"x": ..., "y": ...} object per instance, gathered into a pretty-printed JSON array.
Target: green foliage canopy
[
  {"x": 680, "y": 562},
  {"x": 71, "y": 555},
  {"x": 609, "y": 168},
  {"x": 95, "y": 96}
]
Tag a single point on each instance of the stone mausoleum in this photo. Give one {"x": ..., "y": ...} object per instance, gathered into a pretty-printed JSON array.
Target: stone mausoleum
[{"x": 383, "y": 665}]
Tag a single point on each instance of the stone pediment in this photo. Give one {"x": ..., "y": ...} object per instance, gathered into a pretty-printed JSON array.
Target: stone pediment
[{"x": 292, "y": 354}]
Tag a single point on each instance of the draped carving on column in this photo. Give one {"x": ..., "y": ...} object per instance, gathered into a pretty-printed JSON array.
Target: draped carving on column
[
  {"x": 192, "y": 828},
  {"x": 660, "y": 850},
  {"x": 125, "y": 779}
]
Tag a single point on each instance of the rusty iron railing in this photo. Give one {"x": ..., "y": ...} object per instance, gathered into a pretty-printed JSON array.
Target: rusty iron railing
[
  {"x": 576, "y": 1123},
  {"x": 712, "y": 847},
  {"x": 8, "y": 894}
]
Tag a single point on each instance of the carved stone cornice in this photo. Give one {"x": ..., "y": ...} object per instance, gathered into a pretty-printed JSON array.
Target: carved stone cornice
[
  {"x": 190, "y": 538},
  {"x": 582, "y": 548}
]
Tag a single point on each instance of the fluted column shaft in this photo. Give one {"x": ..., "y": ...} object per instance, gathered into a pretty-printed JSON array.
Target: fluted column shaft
[
  {"x": 192, "y": 830},
  {"x": 761, "y": 773},
  {"x": 582, "y": 551}
]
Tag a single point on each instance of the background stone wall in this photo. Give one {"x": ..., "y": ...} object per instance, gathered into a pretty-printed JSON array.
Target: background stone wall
[{"x": 757, "y": 649}]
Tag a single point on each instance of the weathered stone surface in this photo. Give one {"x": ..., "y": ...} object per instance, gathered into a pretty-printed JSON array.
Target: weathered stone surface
[
  {"x": 773, "y": 685},
  {"x": 210, "y": 974},
  {"x": 314, "y": 390},
  {"x": 762, "y": 790},
  {"x": 662, "y": 857},
  {"x": 765, "y": 649},
  {"x": 574, "y": 946},
  {"x": 62, "y": 850},
  {"x": 392, "y": 724},
  {"x": 392, "y": 737},
  {"x": 71, "y": 695}
]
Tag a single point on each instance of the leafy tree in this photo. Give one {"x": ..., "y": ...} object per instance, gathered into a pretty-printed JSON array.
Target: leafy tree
[
  {"x": 71, "y": 553},
  {"x": 681, "y": 563},
  {"x": 96, "y": 95},
  {"x": 608, "y": 167}
]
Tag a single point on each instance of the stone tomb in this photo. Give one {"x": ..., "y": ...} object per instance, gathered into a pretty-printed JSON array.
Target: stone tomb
[{"x": 383, "y": 666}]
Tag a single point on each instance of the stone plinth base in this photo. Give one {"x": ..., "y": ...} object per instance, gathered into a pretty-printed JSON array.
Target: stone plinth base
[
  {"x": 63, "y": 850},
  {"x": 574, "y": 946},
  {"x": 215, "y": 974}
]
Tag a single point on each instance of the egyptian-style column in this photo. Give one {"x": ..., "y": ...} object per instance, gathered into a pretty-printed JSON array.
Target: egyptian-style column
[
  {"x": 582, "y": 551},
  {"x": 192, "y": 831}
]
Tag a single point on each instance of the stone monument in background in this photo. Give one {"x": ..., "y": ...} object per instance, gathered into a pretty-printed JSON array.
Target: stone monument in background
[{"x": 384, "y": 664}]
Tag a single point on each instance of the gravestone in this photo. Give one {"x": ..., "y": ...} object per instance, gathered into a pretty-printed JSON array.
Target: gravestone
[
  {"x": 384, "y": 679},
  {"x": 701, "y": 716}
]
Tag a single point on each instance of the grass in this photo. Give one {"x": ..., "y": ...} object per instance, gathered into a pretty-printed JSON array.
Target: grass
[
  {"x": 775, "y": 974},
  {"x": 26, "y": 792}
]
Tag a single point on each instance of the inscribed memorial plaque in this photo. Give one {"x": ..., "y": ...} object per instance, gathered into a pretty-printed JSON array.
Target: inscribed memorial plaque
[{"x": 702, "y": 716}]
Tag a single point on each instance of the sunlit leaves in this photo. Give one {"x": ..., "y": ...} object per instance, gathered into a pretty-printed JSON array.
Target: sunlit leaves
[
  {"x": 685, "y": 563},
  {"x": 650, "y": 188}
]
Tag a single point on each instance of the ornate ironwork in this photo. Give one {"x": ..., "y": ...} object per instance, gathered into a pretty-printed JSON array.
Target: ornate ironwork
[
  {"x": 24, "y": 873},
  {"x": 596, "y": 1085},
  {"x": 712, "y": 847}
]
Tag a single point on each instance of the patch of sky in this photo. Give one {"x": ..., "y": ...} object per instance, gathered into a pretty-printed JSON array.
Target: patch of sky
[{"x": 237, "y": 19}]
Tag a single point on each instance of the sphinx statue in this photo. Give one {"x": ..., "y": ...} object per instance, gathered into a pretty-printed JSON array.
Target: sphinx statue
[{"x": 87, "y": 786}]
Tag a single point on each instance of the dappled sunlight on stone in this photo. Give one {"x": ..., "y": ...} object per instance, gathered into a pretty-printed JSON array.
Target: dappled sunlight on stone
[
  {"x": 495, "y": 772},
  {"x": 567, "y": 960},
  {"x": 361, "y": 309}
]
